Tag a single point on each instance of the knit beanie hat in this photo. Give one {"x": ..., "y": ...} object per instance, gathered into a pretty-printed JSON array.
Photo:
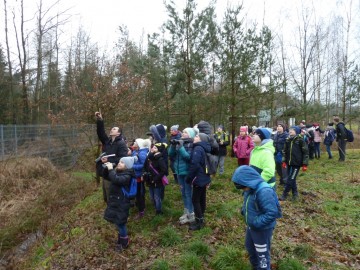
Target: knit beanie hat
[
  {"x": 161, "y": 147},
  {"x": 129, "y": 161},
  {"x": 146, "y": 143},
  {"x": 139, "y": 142},
  {"x": 263, "y": 133},
  {"x": 297, "y": 129},
  {"x": 204, "y": 127},
  {"x": 159, "y": 132},
  {"x": 174, "y": 128},
  {"x": 192, "y": 133},
  {"x": 222, "y": 127},
  {"x": 243, "y": 129},
  {"x": 204, "y": 137}
]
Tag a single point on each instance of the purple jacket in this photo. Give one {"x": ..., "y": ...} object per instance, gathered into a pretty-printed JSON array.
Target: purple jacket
[{"x": 243, "y": 146}]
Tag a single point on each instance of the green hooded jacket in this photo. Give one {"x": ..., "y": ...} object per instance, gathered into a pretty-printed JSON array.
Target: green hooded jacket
[{"x": 262, "y": 159}]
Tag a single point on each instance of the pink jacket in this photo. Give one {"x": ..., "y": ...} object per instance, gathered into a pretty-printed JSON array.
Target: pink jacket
[{"x": 243, "y": 146}]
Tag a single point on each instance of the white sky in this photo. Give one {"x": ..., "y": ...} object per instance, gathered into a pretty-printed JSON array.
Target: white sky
[{"x": 101, "y": 19}]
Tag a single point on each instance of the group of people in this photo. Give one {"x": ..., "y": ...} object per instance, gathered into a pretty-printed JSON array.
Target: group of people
[{"x": 259, "y": 152}]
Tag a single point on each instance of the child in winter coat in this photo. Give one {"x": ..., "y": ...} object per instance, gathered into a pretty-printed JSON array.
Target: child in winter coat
[
  {"x": 117, "y": 210},
  {"x": 181, "y": 151},
  {"x": 262, "y": 156},
  {"x": 329, "y": 137},
  {"x": 140, "y": 151},
  {"x": 260, "y": 209},
  {"x": 199, "y": 179},
  {"x": 243, "y": 146},
  {"x": 154, "y": 170},
  {"x": 175, "y": 134},
  {"x": 317, "y": 139},
  {"x": 295, "y": 155}
]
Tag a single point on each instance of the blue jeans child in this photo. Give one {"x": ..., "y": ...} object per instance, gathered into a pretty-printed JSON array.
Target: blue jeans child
[
  {"x": 186, "y": 193},
  {"x": 156, "y": 195}
]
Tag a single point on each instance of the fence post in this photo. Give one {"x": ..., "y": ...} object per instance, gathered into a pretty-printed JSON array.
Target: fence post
[
  {"x": 2, "y": 142},
  {"x": 16, "y": 140}
]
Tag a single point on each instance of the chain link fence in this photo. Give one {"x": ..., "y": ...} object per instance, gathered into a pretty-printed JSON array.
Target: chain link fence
[{"x": 62, "y": 144}]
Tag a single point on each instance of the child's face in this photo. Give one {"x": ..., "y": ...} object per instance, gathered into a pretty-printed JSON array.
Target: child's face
[
  {"x": 280, "y": 129},
  {"x": 154, "y": 149},
  {"x": 292, "y": 132},
  {"x": 121, "y": 166},
  {"x": 185, "y": 135},
  {"x": 197, "y": 139},
  {"x": 256, "y": 138},
  {"x": 242, "y": 133}
]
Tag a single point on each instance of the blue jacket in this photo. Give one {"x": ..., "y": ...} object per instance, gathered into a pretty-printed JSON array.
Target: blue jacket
[
  {"x": 139, "y": 164},
  {"x": 197, "y": 175},
  {"x": 279, "y": 141},
  {"x": 181, "y": 156},
  {"x": 260, "y": 207}
]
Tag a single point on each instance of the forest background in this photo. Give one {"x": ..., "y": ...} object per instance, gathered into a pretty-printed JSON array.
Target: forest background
[{"x": 226, "y": 70}]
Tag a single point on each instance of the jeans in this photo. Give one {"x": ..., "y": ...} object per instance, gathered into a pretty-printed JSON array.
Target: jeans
[
  {"x": 258, "y": 245},
  {"x": 328, "y": 150},
  {"x": 122, "y": 230},
  {"x": 221, "y": 164},
  {"x": 156, "y": 197},
  {"x": 317, "y": 149},
  {"x": 291, "y": 181},
  {"x": 199, "y": 201},
  {"x": 186, "y": 190}
]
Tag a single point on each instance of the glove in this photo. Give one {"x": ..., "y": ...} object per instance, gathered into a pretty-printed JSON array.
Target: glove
[
  {"x": 284, "y": 165},
  {"x": 109, "y": 165},
  {"x": 304, "y": 168}
]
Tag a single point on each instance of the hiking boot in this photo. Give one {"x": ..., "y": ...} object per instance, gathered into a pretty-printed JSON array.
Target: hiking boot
[
  {"x": 122, "y": 243},
  {"x": 197, "y": 225}
]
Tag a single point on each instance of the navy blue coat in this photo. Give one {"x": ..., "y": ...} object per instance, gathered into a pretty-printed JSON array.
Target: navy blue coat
[{"x": 197, "y": 172}]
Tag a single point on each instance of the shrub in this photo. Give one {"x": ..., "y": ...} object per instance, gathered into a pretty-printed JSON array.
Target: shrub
[
  {"x": 304, "y": 251},
  {"x": 169, "y": 237},
  {"x": 199, "y": 248},
  {"x": 230, "y": 258},
  {"x": 190, "y": 261},
  {"x": 160, "y": 265}
]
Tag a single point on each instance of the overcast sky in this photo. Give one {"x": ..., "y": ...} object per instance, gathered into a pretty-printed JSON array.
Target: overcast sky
[{"x": 101, "y": 19}]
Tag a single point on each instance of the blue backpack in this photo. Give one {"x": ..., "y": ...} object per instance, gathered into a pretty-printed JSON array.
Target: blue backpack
[{"x": 131, "y": 192}]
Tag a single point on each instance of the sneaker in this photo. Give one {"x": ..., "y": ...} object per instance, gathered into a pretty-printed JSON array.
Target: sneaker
[
  {"x": 191, "y": 217},
  {"x": 184, "y": 216},
  {"x": 188, "y": 219}
]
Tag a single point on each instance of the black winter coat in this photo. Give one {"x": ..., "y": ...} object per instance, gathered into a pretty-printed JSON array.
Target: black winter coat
[
  {"x": 296, "y": 152},
  {"x": 197, "y": 170},
  {"x": 117, "y": 210},
  {"x": 117, "y": 147},
  {"x": 157, "y": 162}
]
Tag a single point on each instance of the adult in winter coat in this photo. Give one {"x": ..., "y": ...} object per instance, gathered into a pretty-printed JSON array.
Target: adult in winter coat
[
  {"x": 243, "y": 146},
  {"x": 262, "y": 156},
  {"x": 279, "y": 142},
  {"x": 198, "y": 178},
  {"x": 117, "y": 210},
  {"x": 222, "y": 138},
  {"x": 112, "y": 144},
  {"x": 260, "y": 210},
  {"x": 181, "y": 151},
  {"x": 341, "y": 137},
  {"x": 295, "y": 155},
  {"x": 329, "y": 137}
]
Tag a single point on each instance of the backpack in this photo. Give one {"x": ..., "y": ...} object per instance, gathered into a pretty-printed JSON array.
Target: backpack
[
  {"x": 266, "y": 185},
  {"x": 211, "y": 164},
  {"x": 131, "y": 192},
  {"x": 349, "y": 135}
]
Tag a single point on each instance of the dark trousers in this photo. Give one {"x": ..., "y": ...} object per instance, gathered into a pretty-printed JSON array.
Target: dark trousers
[
  {"x": 282, "y": 172},
  {"x": 342, "y": 149},
  {"x": 199, "y": 201},
  {"x": 258, "y": 245},
  {"x": 140, "y": 196},
  {"x": 317, "y": 149},
  {"x": 291, "y": 181},
  {"x": 243, "y": 161}
]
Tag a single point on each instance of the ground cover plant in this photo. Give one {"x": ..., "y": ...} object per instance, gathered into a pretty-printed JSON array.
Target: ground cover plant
[{"x": 319, "y": 231}]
